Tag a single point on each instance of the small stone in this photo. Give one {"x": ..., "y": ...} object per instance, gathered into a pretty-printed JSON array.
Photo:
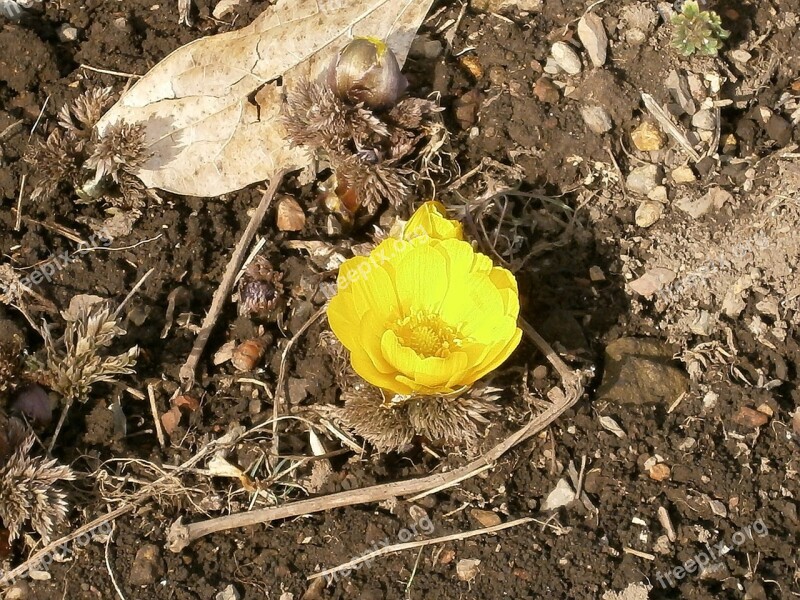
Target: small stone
[
  {"x": 596, "y": 274},
  {"x": 705, "y": 120},
  {"x": 779, "y": 130},
  {"x": 649, "y": 213},
  {"x": 678, "y": 87},
  {"x": 229, "y": 593},
  {"x": 642, "y": 180},
  {"x": 546, "y": 91},
  {"x": 224, "y": 8},
  {"x": 67, "y": 33},
  {"x": 597, "y": 119},
  {"x": 540, "y": 372},
  {"x": 766, "y": 409},
  {"x": 566, "y": 58},
  {"x": 486, "y": 518},
  {"x": 683, "y": 175},
  {"x": 19, "y": 591},
  {"x": 652, "y": 282},
  {"x": 147, "y": 566},
  {"x": 635, "y": 36},
  {"x": 747, "y": 417},
  {"x": 659, "y": 194},
  {"x": 593, "y": 37},
  {"x": 466, "y": 108},
  {"x": 290, "y": 215},
  {"x": 561, "y": 495},
  {"x": 648, "y": 137},
  {"x": 297, "y": 390},
  {"x": 740, "y": 56},
  {"x": 425, "y": 47},
  {"x": 467, "y": 568},
  {"x": 660, "y": 472},
  {"x": 641, "y": 371}
]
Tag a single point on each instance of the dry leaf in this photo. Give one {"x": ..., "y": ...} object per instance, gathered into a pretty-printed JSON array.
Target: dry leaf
[
  {"x": 611, "y": 425},
  {"x": 290, "y": 215},
  {"x": 210, "y": 110}
]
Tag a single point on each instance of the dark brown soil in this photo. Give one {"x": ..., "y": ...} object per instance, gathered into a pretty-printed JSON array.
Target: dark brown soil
[{"x": 187, "y": 241}]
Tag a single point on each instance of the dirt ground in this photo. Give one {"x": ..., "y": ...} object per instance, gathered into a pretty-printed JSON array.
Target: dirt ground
[{"x": 707, "y": 438}]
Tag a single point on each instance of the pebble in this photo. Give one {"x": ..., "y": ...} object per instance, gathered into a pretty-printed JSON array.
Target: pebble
[
  {"x": 225, "y": 7},
  {"x": 648, "y": 137},
  {"x": 660, "y": 472},
  {"x": 779, "y": 130},
  {"x": 640, "y": 371},
  {"x": 659, "y": 194},
  {"x": 486, "y": 518},
  {"x": 502, "y": 5},
  {"x": 683, "y": 174},
  {"x": 566, "y": 58},
  {"x": 290, "y": 215},
  {"x": 425, "y": 47},
  {"x": 147, "y": 566},
  {"x": 678, "y": 87},
  {"x": 748, "y": 417},
  {"x": 67, "y": 33},
  {"x": 649, "y": 213},
  {"x": 561, "y": 495},
  {"x": 546, "y": 91},
  {"x": 229, "y": 593},
  {"x": 596, "y": 118},
  {"x": 466, "y": 569},
  {"x": 642, "y": 180},
  {"x": 593, "y": 36},
  {"x": 704, "y": 120}
]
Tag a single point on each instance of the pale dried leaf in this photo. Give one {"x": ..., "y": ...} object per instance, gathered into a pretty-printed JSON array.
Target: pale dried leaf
[{"x": 210, "y": 109}]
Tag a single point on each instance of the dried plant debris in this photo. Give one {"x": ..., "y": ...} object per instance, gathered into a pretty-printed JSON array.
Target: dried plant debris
[
  {"x": 29, "y": 491},
  {"x": 95, "y": 166},
  {"x": 374, "y": 152},
  {"x": 79, "y": 359},
  {"x": 260, "y": 292},
  {"x": 392, "y": 424}
]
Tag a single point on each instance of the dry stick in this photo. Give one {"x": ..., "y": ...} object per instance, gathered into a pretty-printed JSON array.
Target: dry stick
[
  {"x": 18, "y": 223},
  {"x": 224, "y": 289},
  {"x": 419, "y": 544},
  {"x": 151, "y": 393},
  {"x": 181, "y": 535}
]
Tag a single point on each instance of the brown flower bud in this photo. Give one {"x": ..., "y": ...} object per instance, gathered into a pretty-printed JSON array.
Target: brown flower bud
[
  {"x": 366, "y": 70},
  {"x": 260, "y": 290}
]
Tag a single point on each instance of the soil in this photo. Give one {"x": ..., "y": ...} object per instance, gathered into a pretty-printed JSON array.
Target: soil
[{"x": 728, "y": 481}]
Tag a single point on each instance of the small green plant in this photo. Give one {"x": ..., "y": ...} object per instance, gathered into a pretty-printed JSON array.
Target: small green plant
[{"x": 697, "y": 30}]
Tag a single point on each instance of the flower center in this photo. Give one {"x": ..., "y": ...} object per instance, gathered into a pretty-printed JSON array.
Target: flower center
[{"x": 427, "y": 334}]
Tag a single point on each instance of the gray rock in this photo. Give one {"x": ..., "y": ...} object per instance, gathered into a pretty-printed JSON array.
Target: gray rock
[
  {"x": 596, "y": 118},
  {"x": 705, "y": 120},
  {"x": 641, "y": 371},
  {"x": 566, "y": 58},
  {"x": 643, "y": 180},
  {"x": 67, "y": 33},
  {"x": 648, "y": 213}
]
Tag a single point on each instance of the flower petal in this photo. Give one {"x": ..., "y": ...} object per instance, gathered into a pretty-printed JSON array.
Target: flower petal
[
  {"x": 421, "y": 279},
  {"x": 430, "y": 220}
]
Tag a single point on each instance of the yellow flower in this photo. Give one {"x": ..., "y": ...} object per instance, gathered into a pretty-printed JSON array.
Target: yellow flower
[
  {"x": 431, "y": 220},
  {"x": 425, "y": 316}
]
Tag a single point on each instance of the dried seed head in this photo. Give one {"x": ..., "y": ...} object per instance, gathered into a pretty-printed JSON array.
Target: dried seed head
[
  {"x": 121, "y": 148},
  {"x": 363, "y": 184},
  {"x": 260, "y": 291},
  {"x": 366, "y": 72},
  {"x": 55, "y": 161},
  {"x": 390, "y": 425},
  {"x": 29, "y": 494}
]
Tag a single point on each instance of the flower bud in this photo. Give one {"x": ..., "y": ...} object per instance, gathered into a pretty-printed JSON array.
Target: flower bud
[{"x": 366, "y": 70}]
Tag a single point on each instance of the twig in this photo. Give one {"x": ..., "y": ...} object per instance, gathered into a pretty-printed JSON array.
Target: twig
[
  {"x": 39, "y": 118},
  {"x": 668, "y": 126},
  {"x": 420, "y": 544},
  {"x": 181, "y": 535},
  {"x": 151, "y": 393},
  {"x": 188, "y": 369},
  {"x": 22, "y": 181},
  {"x": 639, "y": 553},
  {"x": 133, "y": 291},
  {"x": 11, "y": 130},
  {"x": 109, "y": 72},
  {"x": 61, "y": 419}
]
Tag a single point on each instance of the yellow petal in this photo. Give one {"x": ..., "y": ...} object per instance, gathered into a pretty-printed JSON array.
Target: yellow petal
[
  {"x": 421, "y": 279},
  {"x": 497, "y": 355},
  {"x": 430, "y": 220},
  {"x": 343, "y": 319}
]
